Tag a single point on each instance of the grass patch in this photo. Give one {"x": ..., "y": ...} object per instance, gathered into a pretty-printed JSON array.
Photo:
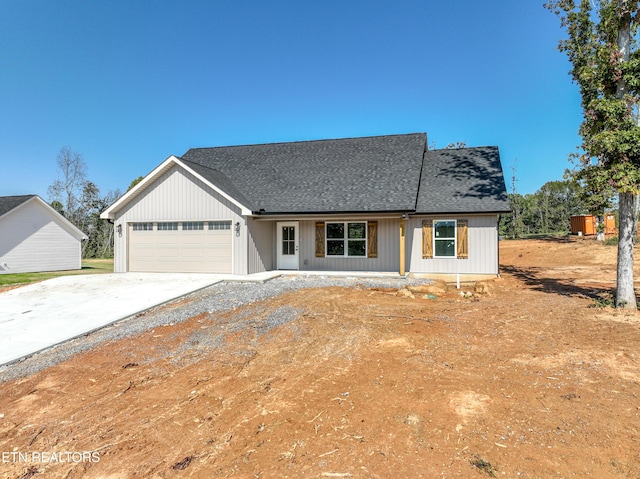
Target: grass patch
[
  {"x": 613, "y": 241},
  {"x": 604, "y": 299},
  {"x": 89, "y": 266},
  {"x": 600, "y": 302}
]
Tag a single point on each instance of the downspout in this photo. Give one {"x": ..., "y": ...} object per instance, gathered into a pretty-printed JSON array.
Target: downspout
[
  {"x": 402, "y": 245},
  {"x": 498, "y": 242}
]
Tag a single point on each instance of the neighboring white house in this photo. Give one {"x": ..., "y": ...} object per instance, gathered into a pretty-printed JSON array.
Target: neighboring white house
[
  {"x": 35, "y": 237},
  {"x": 383, "y": 203}
]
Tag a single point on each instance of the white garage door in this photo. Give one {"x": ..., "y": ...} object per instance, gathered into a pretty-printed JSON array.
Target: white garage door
[{"x": 181, "y": 247}]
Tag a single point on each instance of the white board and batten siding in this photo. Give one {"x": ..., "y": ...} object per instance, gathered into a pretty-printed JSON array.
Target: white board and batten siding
[
  {"x": 483, "y": 248},
  {"x": 388, "y": 249},
  {"x": 261, "y": 252},
  {"x": 178, "y": 196},
  {"x": 32, "y": 240}
]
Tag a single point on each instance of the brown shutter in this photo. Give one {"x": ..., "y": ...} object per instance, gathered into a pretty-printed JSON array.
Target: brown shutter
[
  {"x": 372, "y": 239},
  {"x": 427, "y": 238},
  {"x": 319, "y": 240},
  {"x": 463, "y": 239}
]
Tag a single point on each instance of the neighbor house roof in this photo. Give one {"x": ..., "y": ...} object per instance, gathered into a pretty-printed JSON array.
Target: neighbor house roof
[
  {"x": 463, "y": 180},
  {"x": 9, "y": 203},
  {"x": 371, "y": 174}
]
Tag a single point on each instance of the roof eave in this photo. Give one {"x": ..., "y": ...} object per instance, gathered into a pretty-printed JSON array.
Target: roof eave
[
  {"x": 328, "y": 213},
  {"x": 462, "y": 212}
]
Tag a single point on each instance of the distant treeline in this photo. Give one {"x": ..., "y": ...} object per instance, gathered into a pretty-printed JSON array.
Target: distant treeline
[{"x": 547, "y": 211}]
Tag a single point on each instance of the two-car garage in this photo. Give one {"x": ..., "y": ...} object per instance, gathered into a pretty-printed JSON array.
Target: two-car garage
[{"x": 180, "y": 246}]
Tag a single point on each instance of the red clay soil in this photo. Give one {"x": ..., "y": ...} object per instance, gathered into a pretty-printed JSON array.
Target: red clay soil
[{"x": 529, "y": 376}]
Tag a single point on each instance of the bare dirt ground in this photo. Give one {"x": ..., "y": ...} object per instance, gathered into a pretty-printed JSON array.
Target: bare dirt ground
[{"x": 525, "y": 378}]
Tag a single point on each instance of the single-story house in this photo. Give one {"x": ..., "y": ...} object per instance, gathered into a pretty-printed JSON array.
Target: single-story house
[
  {"x": 35, "y": 237},
  {"x": 377, "y": 204}
]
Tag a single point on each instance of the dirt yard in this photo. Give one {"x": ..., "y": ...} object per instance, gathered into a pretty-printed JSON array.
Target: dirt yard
[{"x": 528, "y": 376}]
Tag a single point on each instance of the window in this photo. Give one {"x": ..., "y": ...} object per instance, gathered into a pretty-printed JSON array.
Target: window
[
  {"x": 167, "y": 226},
  {"x": 193, "y": 225},
  {"x": 142, "y": 226},
  {"x": 444, "y": 244},
  {"x": 444, "y": 238},
  {"x": 347, "y": 239},
  {"x": 288, "y": 240},
  {"x": 219, "y": 225}
]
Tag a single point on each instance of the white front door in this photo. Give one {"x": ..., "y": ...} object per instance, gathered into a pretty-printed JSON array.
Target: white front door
[{"x": 288, "y": 245}]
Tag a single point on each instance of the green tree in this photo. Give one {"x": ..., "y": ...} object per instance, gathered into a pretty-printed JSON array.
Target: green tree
[
  {"x": 56, "y": 205},
  {"x": 603, "y": 50},
  {"x": 511, "y": 223},
  {"x": 135, "y": 182},
  {"x": 99, "y": 231},
  {"x": 556, "y": 202},
  {"x": 547, "y": 211}
]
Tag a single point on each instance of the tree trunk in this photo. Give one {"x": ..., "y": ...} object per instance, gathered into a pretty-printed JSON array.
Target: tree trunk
[{"x": 625, "y": 292}]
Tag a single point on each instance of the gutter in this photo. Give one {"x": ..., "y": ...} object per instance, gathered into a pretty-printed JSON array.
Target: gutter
[{"x": 325, "y": 213}]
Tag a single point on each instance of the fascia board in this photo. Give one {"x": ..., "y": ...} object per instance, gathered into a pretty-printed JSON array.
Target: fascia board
[
  {"x": 133, "y": 192},
  {"x": 459, "y": 213},
  {"x": 65, "y": 221},
  {"x": 108, "y": 214}
]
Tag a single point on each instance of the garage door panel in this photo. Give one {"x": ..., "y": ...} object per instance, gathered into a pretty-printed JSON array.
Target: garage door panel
[
  {"x": 193, "y": 239},
  {"x": 218, "y": 253},
  {"x": 191, "y": 254},
  {"x": 180, "y": 250}
]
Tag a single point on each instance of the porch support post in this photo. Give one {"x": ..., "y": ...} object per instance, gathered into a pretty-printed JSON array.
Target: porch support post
[{"x": 402, "y": 255}]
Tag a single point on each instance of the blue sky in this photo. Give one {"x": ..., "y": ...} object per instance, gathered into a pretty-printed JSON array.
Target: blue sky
[{"x": 128, "y": 83}]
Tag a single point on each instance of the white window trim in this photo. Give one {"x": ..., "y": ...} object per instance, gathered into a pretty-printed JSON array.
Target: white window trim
[
  {"x": 226, "y": 223},
  {"x": 173, "y": 223},
  {"x": 346, "y": 239},
  {"x": 455, "y": 238},
  {"x": 142, "y": 226},
  {"x": 193, "y": 226}
]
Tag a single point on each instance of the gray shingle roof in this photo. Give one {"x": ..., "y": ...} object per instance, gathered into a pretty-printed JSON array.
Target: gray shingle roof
[
  {"x": 464, "y": 180},
  {"x": 8, "y": 203},
  {"x": 371, "y": 174},
  {"x": 219, "y": 179}
]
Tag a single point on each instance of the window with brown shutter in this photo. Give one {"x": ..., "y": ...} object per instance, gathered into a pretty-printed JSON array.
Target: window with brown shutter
[
  {"x": 427, "y": 239},
  {"x": 463, "y": 239},
  {"x": 372, "y": 237},
  {"x": 444, "y": 239},
  {"x": 319, "y": 239}
]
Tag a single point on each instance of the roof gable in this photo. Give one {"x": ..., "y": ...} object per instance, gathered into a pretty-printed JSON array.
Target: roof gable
[
  {"x": 212, "y": 178},
  {"x": 9, "y": 203},
  {"x": 463, "y": 180},
  {"x": 370, "y": 174}
]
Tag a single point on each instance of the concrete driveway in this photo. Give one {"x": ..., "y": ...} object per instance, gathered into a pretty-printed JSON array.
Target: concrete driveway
[{"x": 40, "y": 315}]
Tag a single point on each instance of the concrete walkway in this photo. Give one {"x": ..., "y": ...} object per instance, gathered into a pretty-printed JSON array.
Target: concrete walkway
[{"x": 41, "y": 315}]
